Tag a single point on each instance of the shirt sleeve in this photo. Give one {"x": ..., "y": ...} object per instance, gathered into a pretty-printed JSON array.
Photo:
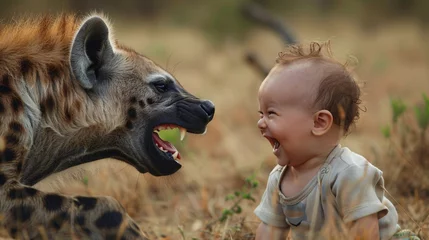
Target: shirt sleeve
[
  {"x": 359, "y": 192},
  {"x": 269, "y": 210}
]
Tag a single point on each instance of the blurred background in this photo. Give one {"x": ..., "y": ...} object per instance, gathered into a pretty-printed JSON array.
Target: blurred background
[{"x": 220, "y": 50}]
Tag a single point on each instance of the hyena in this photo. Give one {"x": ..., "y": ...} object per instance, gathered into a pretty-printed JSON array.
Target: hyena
[{"x": 71, "y": 94}]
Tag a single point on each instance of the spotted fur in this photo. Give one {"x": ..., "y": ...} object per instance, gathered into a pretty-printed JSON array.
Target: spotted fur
[{"x": 70, "y": 94}]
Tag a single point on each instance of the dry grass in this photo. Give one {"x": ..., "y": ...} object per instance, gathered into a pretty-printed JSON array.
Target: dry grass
[{"x": 393, "y": 62}]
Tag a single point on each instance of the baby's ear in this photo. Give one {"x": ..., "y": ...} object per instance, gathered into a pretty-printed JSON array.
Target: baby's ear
[{"x": 323, "y": 120}]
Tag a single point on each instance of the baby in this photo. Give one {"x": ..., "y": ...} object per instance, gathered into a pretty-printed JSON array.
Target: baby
[{"x": 318, "y": 190}]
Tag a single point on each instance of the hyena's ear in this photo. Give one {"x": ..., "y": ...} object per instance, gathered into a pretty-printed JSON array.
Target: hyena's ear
[{"x": 91, "y": 49}]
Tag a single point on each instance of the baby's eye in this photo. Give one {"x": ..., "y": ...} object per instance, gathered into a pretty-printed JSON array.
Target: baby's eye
[{"x": 271, "y": 113}]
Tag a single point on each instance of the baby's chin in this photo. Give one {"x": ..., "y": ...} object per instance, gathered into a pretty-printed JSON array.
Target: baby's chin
[
  {"x": 282, "y": 163},
  {"x": 281, "y": 159}
]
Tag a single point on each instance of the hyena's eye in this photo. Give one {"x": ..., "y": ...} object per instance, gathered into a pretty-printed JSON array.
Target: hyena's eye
[{"x": 161, "y": 87}]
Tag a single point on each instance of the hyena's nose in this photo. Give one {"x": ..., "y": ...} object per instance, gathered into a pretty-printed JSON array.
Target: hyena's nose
[{"x": 209, "y": 108}]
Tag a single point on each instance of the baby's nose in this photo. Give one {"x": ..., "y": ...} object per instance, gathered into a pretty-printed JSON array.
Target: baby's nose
[{"x": 261, "y": 123}]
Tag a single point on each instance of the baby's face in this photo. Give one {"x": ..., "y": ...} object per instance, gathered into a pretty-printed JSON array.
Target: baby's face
[{"x": 286, "y": 114}]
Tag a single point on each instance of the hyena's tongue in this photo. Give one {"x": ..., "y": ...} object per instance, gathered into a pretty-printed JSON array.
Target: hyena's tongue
[{"x": 165, "y": 146}]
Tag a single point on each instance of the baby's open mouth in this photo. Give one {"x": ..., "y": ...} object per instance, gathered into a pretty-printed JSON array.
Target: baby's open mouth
[{"x": 274, "y": 143}]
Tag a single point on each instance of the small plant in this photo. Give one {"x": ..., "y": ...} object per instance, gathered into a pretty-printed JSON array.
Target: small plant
[
  {"x": 407, "y": 157},
  {"x": 422, "y": 113},
  {"x": 408, "y": 148},
  {"x": 237, "y": 198},
  {"x": 398, "y": 108},
  {"x": 244, "y": 194},
  {"x": 182, "y": 232},
  {"x": 386, "y": 131},
  {"x": 233, "y": 230}
]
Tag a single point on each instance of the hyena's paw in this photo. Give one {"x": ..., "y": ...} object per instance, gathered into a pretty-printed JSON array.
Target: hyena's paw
[{"x": 103, "y": 218}]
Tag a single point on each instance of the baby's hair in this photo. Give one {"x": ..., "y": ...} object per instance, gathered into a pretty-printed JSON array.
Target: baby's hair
[{"x": 338, "y": 91}]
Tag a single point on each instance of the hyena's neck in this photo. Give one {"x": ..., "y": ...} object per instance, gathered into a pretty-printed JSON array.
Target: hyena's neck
[
  {"x": 37, "y": 83},
  {"x": 62, "y": 105}
]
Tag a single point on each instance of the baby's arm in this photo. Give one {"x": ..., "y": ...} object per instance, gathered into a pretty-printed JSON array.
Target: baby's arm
[
  {"x": 266, "y": 232},
  {"x": 358, "y": 190},
  {"x": 273, "y": 223},
  {"x": 365, "y": 228}
]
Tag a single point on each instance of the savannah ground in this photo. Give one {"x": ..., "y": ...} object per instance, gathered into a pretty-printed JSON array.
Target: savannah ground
[{"x": 393, "y": 63}]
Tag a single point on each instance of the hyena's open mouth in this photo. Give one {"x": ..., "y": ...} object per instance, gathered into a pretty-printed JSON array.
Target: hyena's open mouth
[
  {"x": 188, "y": 115},
  {"x": 165, "y": 146}
]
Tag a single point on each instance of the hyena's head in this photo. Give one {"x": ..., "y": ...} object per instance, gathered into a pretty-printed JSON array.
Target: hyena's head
[{"x": 146, "y": 98}]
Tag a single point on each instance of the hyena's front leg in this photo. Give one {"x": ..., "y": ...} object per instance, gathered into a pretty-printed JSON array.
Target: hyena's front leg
[
  {"x": 103, "y": 218},
  {"x": 31, "y": 214}
]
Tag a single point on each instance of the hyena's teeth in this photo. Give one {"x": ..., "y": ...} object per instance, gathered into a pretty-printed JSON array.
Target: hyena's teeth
[
  {"x": 182, "y": 133},
  {"x": 175, "y": 154},
  {"x": 162, "y": 149}
]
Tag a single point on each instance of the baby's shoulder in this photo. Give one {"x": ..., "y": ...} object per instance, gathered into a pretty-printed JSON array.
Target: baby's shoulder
[
  {"x": 275, "y": 173},
  {"x": 349, "y": 159},
  {"x": 277, "y": 169},
  {"x": 349, "y": 164}
]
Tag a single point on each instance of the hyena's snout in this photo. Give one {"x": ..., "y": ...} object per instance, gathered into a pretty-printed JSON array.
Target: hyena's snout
[
  {"x": 195, "y": 114},
  {"x": 209, "y": 109}
]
